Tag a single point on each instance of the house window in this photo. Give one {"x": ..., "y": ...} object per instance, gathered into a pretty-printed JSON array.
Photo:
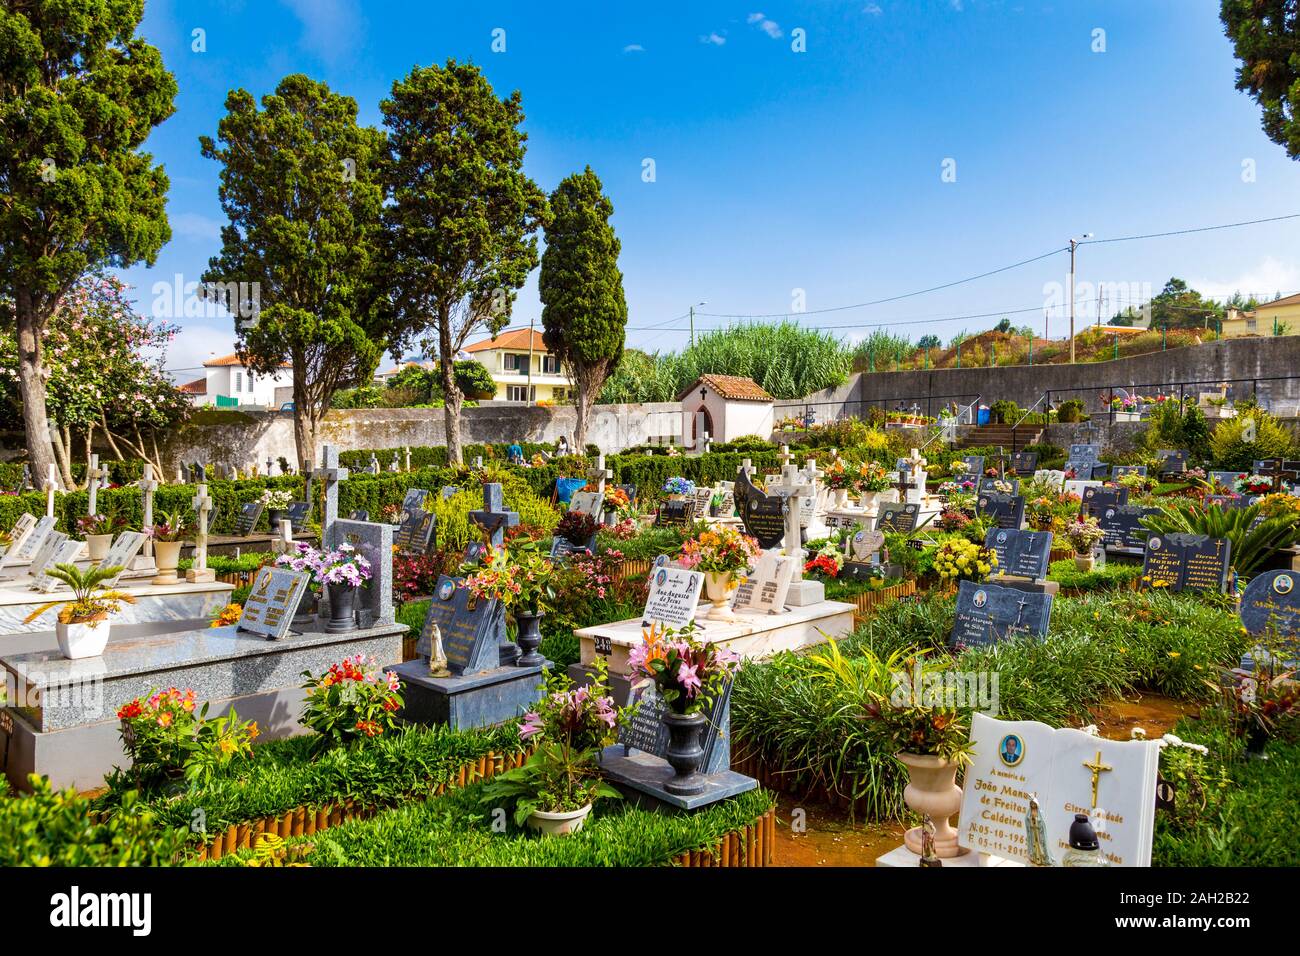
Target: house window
[
  {"x": 239, "y": 383},
  {"x": 1251, "y": 325},
  {"x": 249, "y": 383},
  {"x": 514, "y": 362},
  {"x": 520, "y": 393},
  {"x": 550, "y": 364}
]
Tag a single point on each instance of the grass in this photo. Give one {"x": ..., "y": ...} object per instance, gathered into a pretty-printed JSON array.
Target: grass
[
  {"x": 455, "y": 830},
  {"x": 1108, "y": 577}
]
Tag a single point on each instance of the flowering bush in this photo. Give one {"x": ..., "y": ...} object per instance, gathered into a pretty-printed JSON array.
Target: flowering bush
[
  {"x": 872, "y": 477},
  {"x": 677, "y": 485},
  {"x": 1137, "y": 484},
  {"x": 352, "y": 700},
  {"x": 827, "y": 564},
  {"x": 576, "y": 527},
  {"x": 721, "y": 551},
  {"x": 165, "y": 737},
  {"x": 953, "y": 519},
  {"x": 1083, "y": 533},
  {"x": 1280, "y": 505},
  {"x": 689, "y": 674},
  {"x": 414, "y": 575},
  {"x": 960, "y": 560},
  {"x": 570, "y": 725}
]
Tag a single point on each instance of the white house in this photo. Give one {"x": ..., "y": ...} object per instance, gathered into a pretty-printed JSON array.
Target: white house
[
  {"x": 726, "y": 407},
  {"x": 226, "y": 383},
  {"x": 508, "y": 358}
]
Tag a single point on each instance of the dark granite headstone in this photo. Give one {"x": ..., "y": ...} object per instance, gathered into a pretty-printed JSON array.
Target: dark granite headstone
[
  {"x": 988, "y": 613},
  {"x": 974, "y": 465},
  {"x": 414, "y": 499},
  {"x": 675, "y": 514},
  {"x": 562, "y": 549},
  {"x": 1225, "y": 479},
  {"x": 467, "y": 626},
  {"x": 297, "y": 515},
  {"x": 359, "y": 514},
  {"x": 1083, "y": 458},
  {"x": 1021, "y": 554},
  {"x": 246, "y": 521},
  {"x": 897, "y": 517},
  {"x": 647, "y": 732},
  {"x": 1006, "y": 511},
  {"x": 1271, "y": 602},
  {"x": 1024, "y": 462},
  {"x": 1194, "y": 562},
  {"x": 415, "y": 534},
  {"x": 991, "y": 484},
  {"x": 1122, "y": 527},
  {"x": 1173, "y": 461},
  {"x": 1119, "y": 471},
  {"x": 1096, "y": 499}
]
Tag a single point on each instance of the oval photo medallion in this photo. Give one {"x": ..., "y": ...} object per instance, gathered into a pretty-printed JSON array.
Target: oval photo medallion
[
  {"x": 445, "y": 590},
  {"x": 1283, "y": 584}
]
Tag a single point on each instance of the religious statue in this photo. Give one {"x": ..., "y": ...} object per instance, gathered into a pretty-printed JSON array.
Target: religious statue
[
  {"x": 929, "y": 855},
  {"x": 437, "y": 656},
  {"x": 1036, "y": 834}
]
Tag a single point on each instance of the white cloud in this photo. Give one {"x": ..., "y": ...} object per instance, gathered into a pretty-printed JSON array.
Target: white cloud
[
  {"x": 331, "y": 29},
  {"x": 1270, "y": 276},
  {"x": 715, "y": 39},
  {"x": 193, "y": 346},
  {"x": 192, "y": 225},
  {"x": 769, "y": 27},
  {"x": 634, "y": 48},
  {"x": 873, "y": 9}
]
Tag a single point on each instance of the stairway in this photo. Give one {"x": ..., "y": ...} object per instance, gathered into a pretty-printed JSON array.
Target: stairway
[{"x": 994, "y": 435}]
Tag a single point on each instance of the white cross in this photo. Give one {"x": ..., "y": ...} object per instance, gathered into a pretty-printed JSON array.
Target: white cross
[
  {"x": 202, "y": 504},
  {"x": 812, "y": 472},
  {"x": 407, "y": 452},
  {"x": 148, "y": 486},
  {"x": 747, "y": 466},
  {"x": 331, "y": 474},
  {"x": 599, "y": 473},
  {"x": 785, "y": 455},
  {"x": 792, "y": 486},
  {"x": 51, "y": 484},
  {"x": 93, "y": 474}
]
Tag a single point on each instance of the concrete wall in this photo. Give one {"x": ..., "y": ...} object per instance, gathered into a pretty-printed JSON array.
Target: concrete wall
[
  {"x": 1270, "y": 365},
  {"x": 242, "y": 438}
]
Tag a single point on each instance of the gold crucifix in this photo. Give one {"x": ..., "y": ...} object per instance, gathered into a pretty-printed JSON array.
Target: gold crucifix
[{"x": 1097, "y": 768}]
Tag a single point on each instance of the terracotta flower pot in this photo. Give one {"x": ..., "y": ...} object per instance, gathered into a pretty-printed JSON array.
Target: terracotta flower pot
[
  {"x": 97, "y": 546},
  {"x": 718, "y": 586},
  {"x": 82, "y": 638},
  {"x": 559, "y": 824},
  {"x": 1085, "y": 562},
  {"x": 932, "y": 789},
  {"x": 167, "y": 555}
]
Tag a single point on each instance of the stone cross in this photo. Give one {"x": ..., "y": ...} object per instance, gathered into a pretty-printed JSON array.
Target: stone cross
[
  {"x": 792, "y": 486},
  {"x": 812, "y": 472},
  {"x": 202, "y": 504},
  {"x": 148, "y": 486},
  {"x": 478, "y": 462},
  {"x": 330, "y": 472},
  {"x": 180, "y": 474},
  {"x": 269, "y": 462},
  {"x": 747, "y": 466},
  {"x": 93, "y": 474},
  {"x": 374, "y": 464},
  {"x": 407, "y": 452},
  {"x": 393, "y": 465},
  {"x": 283, "y": 544},
  {"x": 785, "y": 456},
  {"x": 599, "y": 474},
  {"x": 493, "y": 517},
  {"x": 708, "y": 441},
  {"x": 51, "y": 484}
]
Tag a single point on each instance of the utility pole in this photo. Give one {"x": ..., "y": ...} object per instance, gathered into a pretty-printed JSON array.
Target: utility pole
[
  {"x": 528, "y": 395},
  {"x": 705, "y": 302},
  {"x": 1074, "y": 244}
]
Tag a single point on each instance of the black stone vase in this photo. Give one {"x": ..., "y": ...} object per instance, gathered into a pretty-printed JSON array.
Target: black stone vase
[
  {"x": 343, "y": 608},
  {"x": 685, "y": 753},
  {"x": 304, "y": 618},
  {"x": 507, "y": 650},
  {"x": 529, "y": 639},
  {"x": 273, "y": 518},
  {"x": 1256, "y": 742}
]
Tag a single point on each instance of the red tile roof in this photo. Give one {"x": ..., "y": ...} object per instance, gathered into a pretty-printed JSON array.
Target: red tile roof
[
  {"x": 221, "y": 361},
  {"x": 197, "y": 387},
  {"x": 515, "y": 339},
  {"x": 731, "y": 387}
]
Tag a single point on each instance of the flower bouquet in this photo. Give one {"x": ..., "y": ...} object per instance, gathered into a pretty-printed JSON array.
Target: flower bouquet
[
  {"x": 873, "y": 478},
  {"x": 341, "y": 573},
  {"x": 1084, "y": 534},
  {"x": 960, "y": 560},
  {"x": 825, "y": 564},
  {"x": 678, "y": 487},
  {"x": 1254, "y": 484},
  {"x": 353, "y": 700},
  {"x": 577, "y": 527},
  {"x": 724, "y": 555}
]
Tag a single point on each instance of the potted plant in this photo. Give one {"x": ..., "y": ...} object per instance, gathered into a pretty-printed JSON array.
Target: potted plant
[
  {"x": 932, "y": 741},
  {"x": 958, "y": 559},
  {"x": 677, "y": 488},
  {"x": 168, "y": 536},
  {"x": 578, "y": 528},
  {"x": 1084, "y": 533},
  {"x": 98, "y": 530},
  {"x": 689, "y": 675},
  {"x": 277, "y": 502},
  {"x": 340, "y": 573},
  {"x": 872, "y": 480},
  {"x": 553, "y": 792},
  {"x": 533, "y": 573},
  {"x": 839, "y": 480},
  {"x": 353, "y": 700},
  {"x": 83, "y": 623},
  {"x": 1254, "y": 484},
  {"x": 723, "y": 554}
]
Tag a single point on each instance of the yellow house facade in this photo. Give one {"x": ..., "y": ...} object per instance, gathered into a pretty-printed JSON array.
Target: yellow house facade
[
  {"x": 523, "y": 369},
  {"x": 1281, "y": 317}
]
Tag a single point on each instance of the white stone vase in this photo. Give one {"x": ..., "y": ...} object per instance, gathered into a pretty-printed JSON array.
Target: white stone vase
[
  {"x": 167, "y": 555},
  {"x": 841, "y": 497},
  {"x": 97, "y": 546},
  {"x": 1085, "y": 562},
  {"x": 82, "y": 638},
  {"x": 718, "y": 586},
  {"x": 870, "y": 501},
  {"x": 932, "y": 789},
  {"x": 559, "y": 824}
]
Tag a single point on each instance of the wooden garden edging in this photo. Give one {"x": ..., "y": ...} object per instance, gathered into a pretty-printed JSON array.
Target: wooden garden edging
[
  {"x": 866, "y": 603},
  {"x": 779, "y": 780},
  {"x": 755, "y": 845},
  {"x": 639, "y": 568},
  {"x": 307, "y": 821}
]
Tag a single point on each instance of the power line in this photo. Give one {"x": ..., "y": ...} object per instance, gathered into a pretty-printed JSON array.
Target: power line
[{"x": 1185, "y": 232}]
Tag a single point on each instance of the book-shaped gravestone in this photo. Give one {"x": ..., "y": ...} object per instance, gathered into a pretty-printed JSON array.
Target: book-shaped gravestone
[
  {"x": 415, "y": 534},
  {"x": 1084, "y": 456},
  {"x": 1024, "y": 462},
  {"x": 1173, "y": 461},
  {"x": 766, "y": 587},
  {"x": 991, "y": 484},
  {"x": 1005, "y": 511},
  {"x": 27, "y": 549},
  {"x": 1122, "y": 528},
  {"x": 1271, "y": 604},
  {"x": 272, "y": 601},
  {"x": 1097, "y": 498},
  {"x": 359, "y": 514},
  {"x": 246, "y": 521},
  {"x": 18, "y": 536},
  {"x": 1113, "y": 781},
  {"x": 1021, "y": 554},
  {"x": 897, "y": 517},
  {"x": 1181, "y": 562},
  {"x": 675, "y": 514},
  {"x": 989, "y": 613},
  {"x": 414, "y": 499},
  {"x": 467, "y": 627},
  {"x": 974, "y": 465},
  {"x": 449, "y": 492},
  {"x": 66, "y": 553},
  {"x": 297, "y": 515},
  {"x": 562, "y": 549},
  {"x": 702, "y": 498},
  {"x": 590, "y": 503},
  {"x": 646, "y": 730},
  {"x": 1119, "y": 471},
  {"x": 43, "y": 559},
  {"x": 121, "y": 553},
  {"x": 673, "y": 598},
  {"x": 863, "y": 549},
  {"x": 728, "y": 505}
]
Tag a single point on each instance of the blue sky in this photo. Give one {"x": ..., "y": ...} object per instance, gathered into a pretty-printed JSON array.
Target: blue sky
[{"x": 783, "y": 177}]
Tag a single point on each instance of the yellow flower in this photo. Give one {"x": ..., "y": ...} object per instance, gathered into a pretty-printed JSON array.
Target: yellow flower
[{"x": 1175, "y": 654}]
